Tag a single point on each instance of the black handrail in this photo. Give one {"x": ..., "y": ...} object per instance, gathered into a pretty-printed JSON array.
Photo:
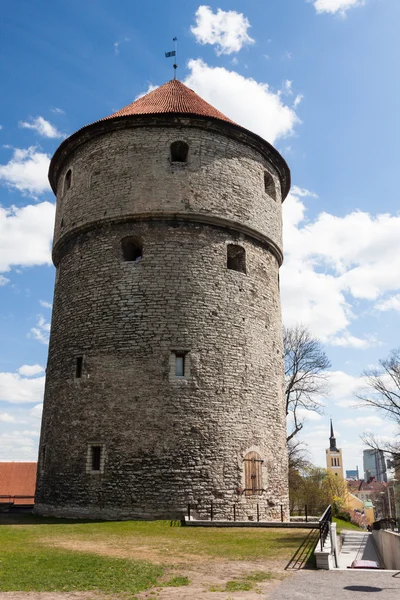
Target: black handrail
[{"x": 324, "y": 524}]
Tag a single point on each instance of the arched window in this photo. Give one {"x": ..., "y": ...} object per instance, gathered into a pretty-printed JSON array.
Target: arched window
[
  {"x": 253, "y": 474},
  {"x": 132, "y": 249},
  {"x": 269, "y": 185},
  {"x": 179, "y": 152},
  {"x": 236, "y": 258},
  {"x": 68, "y": 180}
]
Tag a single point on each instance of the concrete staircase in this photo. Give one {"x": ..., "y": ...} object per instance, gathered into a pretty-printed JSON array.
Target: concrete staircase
[{"x": 356, "y": 546}]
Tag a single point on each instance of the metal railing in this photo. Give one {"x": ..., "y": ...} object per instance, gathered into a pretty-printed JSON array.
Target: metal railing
[{"x": 324, "y": 525}]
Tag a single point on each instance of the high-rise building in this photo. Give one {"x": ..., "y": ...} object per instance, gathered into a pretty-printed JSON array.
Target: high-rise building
[
  {"x": 352, "y": 474},
  {"x": 374, "y": 464}
]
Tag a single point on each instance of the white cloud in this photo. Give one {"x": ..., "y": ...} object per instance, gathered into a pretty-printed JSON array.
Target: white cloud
[
  {"x": 16, "y": 389},
  {"x": 350, "y": 341},
  {"x": 30, "y": 370},
  {"x": 150, "y": 88},
  {"x": 58, "y": 111},
  {"x": 247, "y": 102},
  {"x": 45, "y": 304},
  {"x": 391, "y": 303},
  {"x": 336, "y": 6},
  {"x": 42, "y": 330},
  {"x": 42, "y": 127},
  {"x": 6, "y": 418},
  {"x": 117, "y": 44},
  {"x": 27, "y": 171},
  {"x": 25, "y": 235},
  {"x": 227, "y": 30},
  {"x": 19, "y": 445},
  {"x": 328, "y": 268},
  {"x": 3, "y": 280},
  {"x": 365, "y": 421},
  {"x": 297, "y": 100},
  {"x": 36, "y": 411}
]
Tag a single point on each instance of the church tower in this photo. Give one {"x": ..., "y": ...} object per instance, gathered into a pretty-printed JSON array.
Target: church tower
[
  {"x": 165, "y": 372},
  {"x": 334, "y": 461}
]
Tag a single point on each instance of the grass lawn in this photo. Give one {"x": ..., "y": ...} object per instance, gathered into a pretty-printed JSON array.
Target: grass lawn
[
  {"x": 124, "y": 557},
  {"x": 341, "y": 525}
]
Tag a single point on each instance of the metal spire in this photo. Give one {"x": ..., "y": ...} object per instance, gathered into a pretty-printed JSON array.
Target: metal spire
[{"x": 175, "y": 54}]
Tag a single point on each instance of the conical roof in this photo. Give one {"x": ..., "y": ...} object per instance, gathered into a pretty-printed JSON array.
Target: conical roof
[{"x": 172, "y": 97}]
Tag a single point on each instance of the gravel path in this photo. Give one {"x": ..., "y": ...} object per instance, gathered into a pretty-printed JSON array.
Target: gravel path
[{"x": 339, "y": 585}]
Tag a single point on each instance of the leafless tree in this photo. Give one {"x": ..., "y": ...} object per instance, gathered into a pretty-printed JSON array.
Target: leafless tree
[
  {"x": 383, "y": 387},
  {"x": 306, "y": 374},
  {"x": 382, "y": 391}
]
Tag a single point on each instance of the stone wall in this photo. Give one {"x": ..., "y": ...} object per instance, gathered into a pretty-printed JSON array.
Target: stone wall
[{"x": 167, "y": 441}]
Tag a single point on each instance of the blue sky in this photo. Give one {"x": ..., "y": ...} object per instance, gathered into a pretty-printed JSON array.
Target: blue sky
[{"x": 317, "y": 78}]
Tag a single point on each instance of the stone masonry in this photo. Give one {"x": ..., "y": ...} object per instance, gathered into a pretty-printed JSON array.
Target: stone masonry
[{"x": 165, "y": 440}]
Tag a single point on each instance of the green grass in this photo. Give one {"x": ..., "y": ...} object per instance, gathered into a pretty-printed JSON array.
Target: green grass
[
  {"x": 345, "y": 525},
  {"x": 244, "y": 584},
  {"x": 177, "y": 581},
  {"x": 52, "y": 555}
]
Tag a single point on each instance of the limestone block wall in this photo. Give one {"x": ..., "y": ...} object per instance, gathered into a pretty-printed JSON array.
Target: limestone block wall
[
  {"x": 127, "y": 173},
  {"x": 167, "y": 442}
]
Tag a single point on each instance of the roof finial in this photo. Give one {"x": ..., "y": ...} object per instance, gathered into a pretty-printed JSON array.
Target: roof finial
[{"x": 175, "y": 54}]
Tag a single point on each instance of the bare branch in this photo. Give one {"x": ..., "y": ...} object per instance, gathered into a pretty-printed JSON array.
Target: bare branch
[{"x": 306, "y": 374}]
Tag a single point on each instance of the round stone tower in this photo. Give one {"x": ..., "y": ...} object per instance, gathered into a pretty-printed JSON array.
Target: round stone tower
[{"x": 165, "y": 373}]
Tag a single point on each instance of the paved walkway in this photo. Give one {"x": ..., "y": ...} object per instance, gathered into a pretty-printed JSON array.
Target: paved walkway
[
  {"x": 339, "y": 585},
  {"x": 357, "y": 546}
]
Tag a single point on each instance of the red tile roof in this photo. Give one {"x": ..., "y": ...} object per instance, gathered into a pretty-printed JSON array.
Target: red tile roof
[
  {"x": 17, "y": 479},
  {"x": 172, "y": 97}
]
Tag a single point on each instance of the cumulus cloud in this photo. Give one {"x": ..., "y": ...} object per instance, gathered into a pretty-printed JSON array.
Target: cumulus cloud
[
  {"x": 364, "y": 421},
  {"x": 26, "y": 171},
  {"x": 19, "y": 445},
  {"x": 391, "y": 303},
  {"x": 18, "y": 390},
  {"x": 328, "y": 268},
  {"x": 25, "y": 235},
  {"x": 6, "y": 418},
  {"x": 227, "y": 30},
  {"x": 30, "y": 370},
  {"x": 45, "y": 304},
  {"x": 41, "y": 331},
  {"x": 336, "y": 6},
  {"x": 42, "y": 127},
  {"x": 36, "y": 411},
  {"x": 247, "y": 102}
]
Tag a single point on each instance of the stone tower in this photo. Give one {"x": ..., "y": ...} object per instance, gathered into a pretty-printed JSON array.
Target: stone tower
[
  {"x": 165, "y": 371},
  {"x": 334, "y": 459}
]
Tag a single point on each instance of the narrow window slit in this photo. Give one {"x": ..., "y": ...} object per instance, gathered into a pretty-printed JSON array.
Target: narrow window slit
[
  {"x": 180, "y": 365},
  {"x": 68, "y": 180},
  {"x": 79, "y": 366},
  {"x": 96, "y": 458}
]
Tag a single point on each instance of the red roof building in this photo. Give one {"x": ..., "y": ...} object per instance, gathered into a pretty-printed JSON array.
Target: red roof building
[{"x": 17, "y": 482}]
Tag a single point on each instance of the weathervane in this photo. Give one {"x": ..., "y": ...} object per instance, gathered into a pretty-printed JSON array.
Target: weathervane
[{"x": 174, "y": 53}]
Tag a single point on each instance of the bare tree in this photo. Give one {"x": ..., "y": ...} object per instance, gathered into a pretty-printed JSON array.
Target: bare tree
[
  {"x": 306, "y": 374},
  {"x": 382, "y": 391},
  {"x": 383, "y": 387}
]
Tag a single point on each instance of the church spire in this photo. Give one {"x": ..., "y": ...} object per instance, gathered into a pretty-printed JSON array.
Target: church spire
[{"x": 332, "y": 440}]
